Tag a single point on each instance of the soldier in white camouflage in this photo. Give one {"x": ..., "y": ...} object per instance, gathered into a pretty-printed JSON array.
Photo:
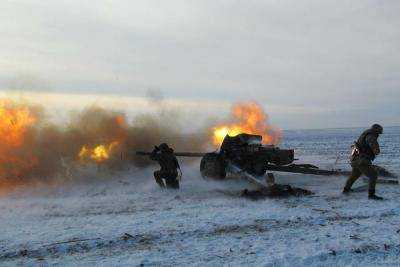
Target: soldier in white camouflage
[{"x": 365, "y": 150}]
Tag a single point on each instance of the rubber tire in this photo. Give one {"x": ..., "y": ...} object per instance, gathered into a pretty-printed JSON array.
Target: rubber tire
[{"x": 212, "y": 166}]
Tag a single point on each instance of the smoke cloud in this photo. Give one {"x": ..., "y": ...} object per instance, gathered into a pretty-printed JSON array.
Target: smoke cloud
[{"x": 34, "y": 150}]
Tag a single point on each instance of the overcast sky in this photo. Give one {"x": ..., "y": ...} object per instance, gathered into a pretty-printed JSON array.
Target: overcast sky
[{"x": 311, "y": 64}]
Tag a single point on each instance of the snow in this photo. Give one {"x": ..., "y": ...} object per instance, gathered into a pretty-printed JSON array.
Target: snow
[{"x": 204, "y": 223}]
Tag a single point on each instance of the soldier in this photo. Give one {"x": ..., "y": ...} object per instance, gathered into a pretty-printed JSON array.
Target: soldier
[
  {"x": 164, "y": 155},
  {"x": 364, "y": 152}
]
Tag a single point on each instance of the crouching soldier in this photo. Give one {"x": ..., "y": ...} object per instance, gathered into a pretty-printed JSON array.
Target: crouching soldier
[
  {"x": 365, "y": 149},
  {"x": 164, "y": 155}
]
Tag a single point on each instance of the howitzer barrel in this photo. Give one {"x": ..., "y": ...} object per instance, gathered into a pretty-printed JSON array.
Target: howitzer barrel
[{"x": 178, "y": 154}]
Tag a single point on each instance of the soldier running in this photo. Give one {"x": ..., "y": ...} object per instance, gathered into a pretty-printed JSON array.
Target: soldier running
[
  {"x": 164, "y": 155},
  {"x": 364, "y": 152}
]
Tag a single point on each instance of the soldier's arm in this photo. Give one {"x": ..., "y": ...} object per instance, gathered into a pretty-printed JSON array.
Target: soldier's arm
[
  {"x": 373, "y": 144},
  {"x": 154, "y": 154}
]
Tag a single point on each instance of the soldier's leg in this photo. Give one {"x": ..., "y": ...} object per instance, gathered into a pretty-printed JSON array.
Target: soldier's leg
[
  {"x": 175, "y": 184},
  {"x": 172, "y": 183},
  {"x": 372, "y": 174},
  {"x": 355, "y": 174},
  {"x": 158, "y": 178}
]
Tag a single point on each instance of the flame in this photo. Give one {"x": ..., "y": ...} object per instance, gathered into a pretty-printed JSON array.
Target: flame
[
  {"x": 16, "y": 157},
  {"x": 98, "y": 153},
  {"x": 248, "y": 117},
  {"x": 14, "y": 122}
]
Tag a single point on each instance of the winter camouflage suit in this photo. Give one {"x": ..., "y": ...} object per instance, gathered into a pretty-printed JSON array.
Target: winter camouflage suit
[
  {"x": 164, "y": 155},
  {"x": 366, "y": 148}
]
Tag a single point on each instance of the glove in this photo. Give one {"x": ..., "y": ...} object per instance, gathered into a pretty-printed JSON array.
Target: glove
[{"x": 377, "y": 151}]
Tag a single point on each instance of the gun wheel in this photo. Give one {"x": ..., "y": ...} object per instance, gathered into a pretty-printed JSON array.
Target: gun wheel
[{"x": 212, "y": 166}]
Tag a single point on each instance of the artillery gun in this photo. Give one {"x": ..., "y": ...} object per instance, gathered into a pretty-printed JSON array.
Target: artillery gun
[{"x": 245, "y": 153}]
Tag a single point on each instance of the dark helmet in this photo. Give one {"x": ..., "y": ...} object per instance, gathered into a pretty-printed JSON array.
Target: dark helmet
[
  {"x": 163, "y": 147},
  {"x": 377, "y": 128}
]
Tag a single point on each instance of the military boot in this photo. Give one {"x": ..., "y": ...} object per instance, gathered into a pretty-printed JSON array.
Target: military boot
[{"x": 371, "y": 195}]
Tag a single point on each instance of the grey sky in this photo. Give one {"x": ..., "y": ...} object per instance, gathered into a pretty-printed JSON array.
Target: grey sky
[{"x": 312, "y": 64}]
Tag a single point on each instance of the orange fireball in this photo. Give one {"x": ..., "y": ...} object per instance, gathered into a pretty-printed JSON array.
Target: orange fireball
[
  {"x": 15, "y": 120},
  {"x": 248, "y": 118},
  {"x": 98, "y": 153},
  {"x": 16, "y": 155}
]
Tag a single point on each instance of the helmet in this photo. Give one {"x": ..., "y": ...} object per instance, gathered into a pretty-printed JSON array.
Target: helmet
[
  {"x": 163, "y": 147},
  {"x": 377, "y": 128}
]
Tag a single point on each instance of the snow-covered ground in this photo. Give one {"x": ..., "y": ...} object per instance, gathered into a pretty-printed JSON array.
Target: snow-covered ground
[{"x": 203, "y": 224}]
